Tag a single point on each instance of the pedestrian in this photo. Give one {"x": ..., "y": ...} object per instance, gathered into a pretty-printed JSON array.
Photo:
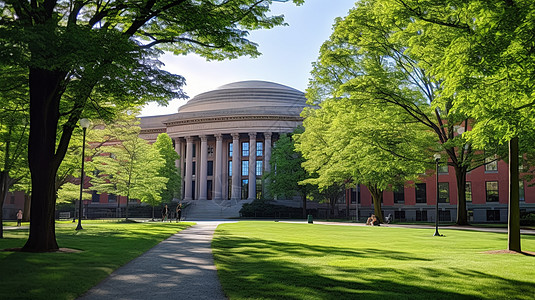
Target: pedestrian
[
  {"x": 178, "y": 212},
  {"x": 165, "y": 212},
  {"x": 19, "y": 217}
]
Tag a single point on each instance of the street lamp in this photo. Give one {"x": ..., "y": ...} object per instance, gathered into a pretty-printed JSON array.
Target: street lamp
[
  {"x": 437, "y": 159},
  {"x": 85, "y": 124}
]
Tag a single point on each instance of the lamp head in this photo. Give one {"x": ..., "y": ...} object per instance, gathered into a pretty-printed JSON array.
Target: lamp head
[
  {"x": 437, "y": 156},
  {"x": 84, "y": 123}
]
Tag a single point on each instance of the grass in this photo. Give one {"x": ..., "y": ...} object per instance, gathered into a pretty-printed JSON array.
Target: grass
[
  {"x": 104, "y": 246},
  {"x": 270, "y": 260}
]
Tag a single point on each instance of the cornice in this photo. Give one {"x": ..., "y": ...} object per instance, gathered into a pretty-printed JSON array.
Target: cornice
[{"x": 170, "y": 123}]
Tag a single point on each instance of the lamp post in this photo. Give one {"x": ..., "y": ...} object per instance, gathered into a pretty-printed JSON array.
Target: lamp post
[
  {"x": 437, "y": 159},
  {"x": 85, "y": 124}
]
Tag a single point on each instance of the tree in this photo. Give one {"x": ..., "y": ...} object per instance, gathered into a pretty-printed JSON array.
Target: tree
[
  {"x": 369, "y": 59},
  {"x": 486, "y": 67},
  {"x": 164, "y": 145},
  {"x": 351, "y": 142},
  {"x": 89, "y": 58},
  {"x": 130, "y": 166},
  {"x": 287, "y": 174},
  {"x": 14, "y": 128}
]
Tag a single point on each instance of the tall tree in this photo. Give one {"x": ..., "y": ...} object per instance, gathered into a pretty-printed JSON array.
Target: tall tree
[
  {"x": 130, "y": 166},
  {"x": 368, "y": 58},
  {"x": 82, "y": 56},
  {"x": 164, "y": 145},
  {"x": 487, "y": 66},
  {"x": 287, "y": 175},
  {"x": 352, "y": 142}
]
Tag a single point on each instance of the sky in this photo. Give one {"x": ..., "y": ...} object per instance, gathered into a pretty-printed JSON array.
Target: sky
[{"x": 287, "y": 53}]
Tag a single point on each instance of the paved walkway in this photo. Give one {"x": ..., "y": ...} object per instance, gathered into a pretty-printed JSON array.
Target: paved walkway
[
  {"x": 181, "y": 267},
  {"x": 472, "y": 228}
]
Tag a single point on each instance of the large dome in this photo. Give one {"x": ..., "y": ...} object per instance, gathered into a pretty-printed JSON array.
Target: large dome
[{"x": 246, "y": 96}]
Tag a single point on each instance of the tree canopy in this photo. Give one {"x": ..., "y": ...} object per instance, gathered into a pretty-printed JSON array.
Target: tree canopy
[
  {"x": 168, "y": 170},
  {"x": 94, "y": 58}
]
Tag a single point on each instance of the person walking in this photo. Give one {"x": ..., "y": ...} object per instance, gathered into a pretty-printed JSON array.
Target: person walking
[
  {"x": 165, "y": 212},
  {"x": 19, "y": 217},
  {"x": 178, "y": 212}
]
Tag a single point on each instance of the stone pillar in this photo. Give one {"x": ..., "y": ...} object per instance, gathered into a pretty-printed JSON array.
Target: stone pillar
[
  {"x": 203, "y": 167},
  {"x": 218, "y": 174},
  {"x": 179, "y": 149},
  {"x": 267, "y": 151},
  {"x": 252, "y": 166},
  {"x": 236, "y": 167},
  {"x": 189, "y": 170}
]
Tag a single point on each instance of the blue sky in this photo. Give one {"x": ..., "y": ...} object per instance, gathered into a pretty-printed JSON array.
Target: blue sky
[{"x": 287, "y": 53}]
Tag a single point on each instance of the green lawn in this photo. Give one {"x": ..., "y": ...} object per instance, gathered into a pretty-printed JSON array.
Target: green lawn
[
  {"x": 268, "y": 260},
  {"x": 105, "y": 247}
]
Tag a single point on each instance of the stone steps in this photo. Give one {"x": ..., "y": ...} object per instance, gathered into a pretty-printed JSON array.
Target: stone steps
[{"x": 213, "y": 209}]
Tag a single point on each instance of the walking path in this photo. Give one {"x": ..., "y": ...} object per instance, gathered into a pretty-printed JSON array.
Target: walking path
[
  {"x": 181, "y": 267},
  {"x": 473, "y": 228}
]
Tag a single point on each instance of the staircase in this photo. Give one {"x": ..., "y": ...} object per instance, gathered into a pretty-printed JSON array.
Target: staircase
[{"x": 198, "y": 210}]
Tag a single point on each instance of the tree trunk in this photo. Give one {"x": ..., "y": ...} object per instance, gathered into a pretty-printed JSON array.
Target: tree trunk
[
  {"x": 460, "y": 176},
  {"x": 153, "y": 213},
  {"x": 3, "y": 195},
  {"x": 45, "y": 94},
  {"x": 513, "y": 240},
  {"x": 377, "y": 196}
]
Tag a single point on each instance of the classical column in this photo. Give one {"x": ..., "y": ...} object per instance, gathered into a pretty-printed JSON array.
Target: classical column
[
  {"x": 236, "y": 167},
  {"x": 218, "y": 175},
  {"x": 179, "y": 163},
  {"x": 203, "y": 165},
  {"x": 189, "y": 170},
  {"x": 267, "y": 151},
  {"x": 252, "y": 166}
]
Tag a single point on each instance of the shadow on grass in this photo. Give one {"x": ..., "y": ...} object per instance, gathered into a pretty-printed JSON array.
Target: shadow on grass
[{"x": 265, "y": 269}]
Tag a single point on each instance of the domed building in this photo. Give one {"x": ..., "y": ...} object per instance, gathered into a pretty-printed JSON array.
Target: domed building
[{"x": 224, "y": 137}]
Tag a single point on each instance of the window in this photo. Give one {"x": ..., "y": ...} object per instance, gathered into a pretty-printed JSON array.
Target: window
[
  {"x": 493, "y": 215},
  {"x": 443, "y": 192},
  {"x": 230, "y": 149},
  {"x": 468, "y": 191},
  {"x": 194, "y": 148},
  {"x": 245, "y": 188},
  {"x": 245, "y": 149},
  {"x": 421, "y": 193},
  {"x": 209, "y": 189},
  {"x": 399, "y": 195},
  {"x": 210, "y": 166},
  {"x": 259, "y": 168},
  {"x": 491, "y": 164},
  {"x": 95, "y": 197},
  {"x": 258, "y": 188},
  {"x": 521, "y": 192},
  {"x": 399, "y": 215},
  {"x": 353, "y": 196},
  {"x": 193, "y": 168},
  {"x": 230, "y": 168},
  {"x": 244, "y": 167},
  {"x": 421, "y": 215},
  {"x": 112, "y": 198},
  {"x": 259, "y": 148},
  {"x": 12, "y": 199},
  {"x": 443, "y": 168},
  {"x": 210, "y": 151},
  {"x": 491, "y": 187}
]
